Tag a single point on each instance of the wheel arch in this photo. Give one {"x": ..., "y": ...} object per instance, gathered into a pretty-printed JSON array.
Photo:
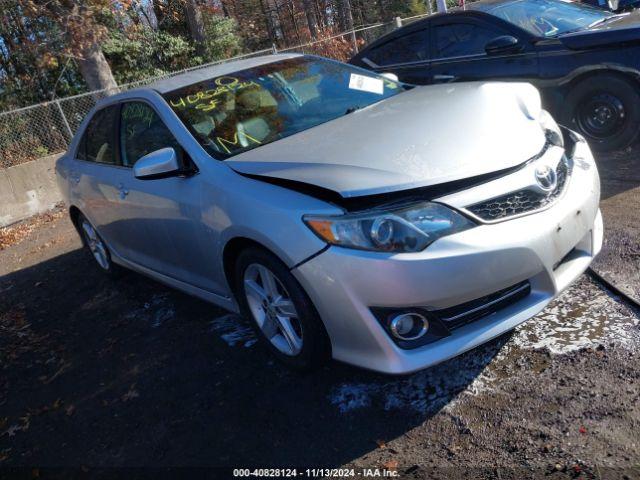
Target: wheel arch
[
  {"x": 230, "y": 252},
  {"x": 74, "y": 215},
  {"x": 628, "y": 74}
]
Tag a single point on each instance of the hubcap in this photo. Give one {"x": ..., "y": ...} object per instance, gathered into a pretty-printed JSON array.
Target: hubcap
[
  {"x": 601, "y": 116},
  {"x": 273, "y": 309},
  {"x": 98, "y": 250}
]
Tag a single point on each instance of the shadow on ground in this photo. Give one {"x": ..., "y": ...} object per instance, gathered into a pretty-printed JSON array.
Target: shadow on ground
[{"x": 99, "y": 372}]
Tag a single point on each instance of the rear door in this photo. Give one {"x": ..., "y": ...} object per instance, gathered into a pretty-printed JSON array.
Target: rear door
[
  {"x": 97, "y": 179},
  {"x": 458, "y": 52},
  {"x": 406, "y": 56}
]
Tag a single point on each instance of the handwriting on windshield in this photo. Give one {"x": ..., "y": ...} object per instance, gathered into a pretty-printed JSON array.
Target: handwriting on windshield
[
  {"x": 237, "y": 142},
  {"x": 207, "y": 100}
]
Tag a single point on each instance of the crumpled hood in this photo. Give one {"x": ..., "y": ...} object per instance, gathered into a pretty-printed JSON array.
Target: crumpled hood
[
  {"x": 425, "y": 136},
  {"x": 625, "y": 29}
]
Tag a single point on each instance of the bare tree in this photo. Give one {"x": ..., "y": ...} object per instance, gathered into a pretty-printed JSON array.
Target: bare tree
[{"x": 312, "y": 20}]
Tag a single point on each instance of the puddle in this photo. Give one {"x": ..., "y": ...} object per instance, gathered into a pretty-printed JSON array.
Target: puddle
[{"x": 234, "y": 330}]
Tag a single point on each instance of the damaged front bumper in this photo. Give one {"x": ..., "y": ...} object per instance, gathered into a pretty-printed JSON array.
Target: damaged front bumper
[{"x": 546, "y": 250}]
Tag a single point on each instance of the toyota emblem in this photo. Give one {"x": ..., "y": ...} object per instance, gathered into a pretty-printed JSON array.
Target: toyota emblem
[{"x": 546, "y": 178}]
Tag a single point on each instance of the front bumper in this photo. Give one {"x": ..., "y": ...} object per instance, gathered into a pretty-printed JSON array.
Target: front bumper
[{"x": 550, "y": 249}]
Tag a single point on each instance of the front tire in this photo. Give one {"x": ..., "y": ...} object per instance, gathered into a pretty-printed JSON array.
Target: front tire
[
  {"x": 280, "y": 311},
  {"x": 605, "y": 108}
]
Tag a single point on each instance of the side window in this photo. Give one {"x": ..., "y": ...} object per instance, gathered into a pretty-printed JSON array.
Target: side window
[
  {"x": 413, "y": 47},
  {"x": 461, "y": 39},
  {"x": 97, "y": 143},
  {"x": 142, "y": 132}
]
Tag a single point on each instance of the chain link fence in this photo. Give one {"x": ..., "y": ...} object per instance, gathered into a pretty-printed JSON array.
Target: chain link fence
[{"x": 45, "y": 129}]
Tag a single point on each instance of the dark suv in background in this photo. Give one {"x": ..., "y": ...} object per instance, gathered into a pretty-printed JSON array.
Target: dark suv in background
[{"x": 585, "y": 61}]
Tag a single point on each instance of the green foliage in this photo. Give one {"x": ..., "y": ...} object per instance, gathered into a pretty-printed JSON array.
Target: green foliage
[
  {"x": 142, "y": 52},
  {"x": 222, "y": 38}
]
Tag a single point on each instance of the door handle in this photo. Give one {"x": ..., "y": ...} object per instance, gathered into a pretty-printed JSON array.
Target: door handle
[
  {"x": 123, "y": 191},
  {"x": 444, "y": 78}
]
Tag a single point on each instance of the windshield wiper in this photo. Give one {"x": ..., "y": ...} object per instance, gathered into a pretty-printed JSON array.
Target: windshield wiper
[
  {"x": 591, "y": 25},
  {"x": 352, "y": 109},
  {"x": 603, "y": 20}
]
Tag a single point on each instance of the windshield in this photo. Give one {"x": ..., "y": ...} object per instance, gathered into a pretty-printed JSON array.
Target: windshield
[
  {"x": 234, "y": 113},
  {"x": 549, "y": 18}
]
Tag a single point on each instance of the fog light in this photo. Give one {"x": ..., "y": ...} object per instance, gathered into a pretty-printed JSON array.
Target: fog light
[{"x": 409, "y": 326}]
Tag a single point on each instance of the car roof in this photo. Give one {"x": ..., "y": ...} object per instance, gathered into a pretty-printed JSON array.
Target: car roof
[
  {"x": 197, "y": 75},
  {"x": 488, "y": 5},
  {"x": 201, "y": 74}
]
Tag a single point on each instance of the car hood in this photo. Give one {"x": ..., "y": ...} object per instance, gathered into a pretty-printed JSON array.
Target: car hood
[
  {"x": 625, "y": 29},
  {"x": 422, "y": 137}
]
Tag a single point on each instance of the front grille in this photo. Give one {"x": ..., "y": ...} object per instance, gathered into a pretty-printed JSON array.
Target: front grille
[
  {"x": 522, "y": 201},
  {"x": 463, "y": 314}
]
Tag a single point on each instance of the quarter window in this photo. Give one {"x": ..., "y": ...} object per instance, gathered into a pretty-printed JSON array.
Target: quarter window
[
  {"x": 142, "y": 132},
  {"x": 97, "y": 143},
  {"x": 462, "y": 39},
  {"x": 409, "y": 48}
]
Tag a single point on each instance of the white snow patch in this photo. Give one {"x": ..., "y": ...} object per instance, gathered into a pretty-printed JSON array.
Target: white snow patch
[
  {"x": 425, "y": 391},
  {"x": 583, "y": 316},
  {"x": 234, "y": 331}
]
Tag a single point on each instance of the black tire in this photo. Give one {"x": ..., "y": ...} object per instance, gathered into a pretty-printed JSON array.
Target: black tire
[
  {"x": 316, "y": 346},
  {"x": 605, "y": 108},
  {"x": 109, "y": 268}
]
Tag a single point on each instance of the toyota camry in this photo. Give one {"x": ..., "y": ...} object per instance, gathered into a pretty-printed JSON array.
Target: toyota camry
[{"x": 345, "y": 214}]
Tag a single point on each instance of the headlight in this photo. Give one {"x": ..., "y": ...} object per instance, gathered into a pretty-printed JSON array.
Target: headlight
[
  {"x": 407, "y": 229},
  {"x": 551, "y": 128}
]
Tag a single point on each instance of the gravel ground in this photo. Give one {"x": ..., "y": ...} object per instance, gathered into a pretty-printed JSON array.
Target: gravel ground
[
  {"x": 99, "y": 373},
  {"x": 620, "y": 259}
]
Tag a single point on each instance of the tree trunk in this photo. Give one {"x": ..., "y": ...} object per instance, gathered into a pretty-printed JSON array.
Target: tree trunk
[
  {"x": 312, "y": 21},
  {"x": 347, "y": 18},
  {"x": 95, "y": 70},
  {"x": 196, "y": 25}
]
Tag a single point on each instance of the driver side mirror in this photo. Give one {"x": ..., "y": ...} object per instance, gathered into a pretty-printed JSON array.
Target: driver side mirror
[
  {"x": 162, "y": 163},
  {"x": 503, "y": 44},
  {"x": 390, "y": 76}
]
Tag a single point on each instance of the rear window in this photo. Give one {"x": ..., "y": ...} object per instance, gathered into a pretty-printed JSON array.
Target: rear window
[
  {"x": 98, "y": 142},
  {"x": 234, "y": 113}
]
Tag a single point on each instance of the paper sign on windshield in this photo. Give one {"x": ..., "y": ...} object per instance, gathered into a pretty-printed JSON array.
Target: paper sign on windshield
[{"x": 366, "y": 84}]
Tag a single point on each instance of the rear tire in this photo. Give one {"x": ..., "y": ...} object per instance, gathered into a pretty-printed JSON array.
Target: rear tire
[
  {"x": 605, "y": 108},
  {"x": 280, "y": 311},
  {"x": 96, "y": 247}
]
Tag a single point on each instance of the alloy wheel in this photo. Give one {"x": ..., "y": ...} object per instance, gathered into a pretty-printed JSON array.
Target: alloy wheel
[
  {"x": 272, "y": 309},
  {"x": 96, "y": 246}
]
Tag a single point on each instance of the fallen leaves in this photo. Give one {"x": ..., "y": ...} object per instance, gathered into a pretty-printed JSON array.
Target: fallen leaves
[
  {"x": 14, "y": 234},
  {"x": 390, "y": 464}
]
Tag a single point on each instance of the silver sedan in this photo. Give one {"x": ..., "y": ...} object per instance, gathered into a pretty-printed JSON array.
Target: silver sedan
[{"x": 347, "y": 215}]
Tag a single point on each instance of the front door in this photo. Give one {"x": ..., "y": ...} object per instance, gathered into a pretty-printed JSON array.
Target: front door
[
  {"x": 458, "y": 53},
  {"x": 165, "y": 232}
]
